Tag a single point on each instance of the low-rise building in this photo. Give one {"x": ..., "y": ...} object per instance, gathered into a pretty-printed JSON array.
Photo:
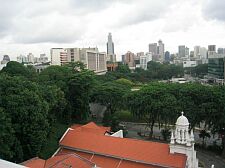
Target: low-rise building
[{"x": 92, "y": 146}]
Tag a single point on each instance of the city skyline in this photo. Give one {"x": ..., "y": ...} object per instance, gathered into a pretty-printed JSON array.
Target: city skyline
[{"x": 134, "y": 25}]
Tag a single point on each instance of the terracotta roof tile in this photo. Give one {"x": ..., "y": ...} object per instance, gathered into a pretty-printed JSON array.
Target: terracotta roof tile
[
  {"x": 145, "y": 151},
  {"x": 34, "y": 163}
]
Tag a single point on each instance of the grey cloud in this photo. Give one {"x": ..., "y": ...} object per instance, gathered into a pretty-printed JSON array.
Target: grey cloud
[
  {"x": 214, "y": 9},
  {"x": 144, "y": 11}
]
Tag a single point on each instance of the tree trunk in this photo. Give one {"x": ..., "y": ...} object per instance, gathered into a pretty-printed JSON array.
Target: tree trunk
[{"x": 151, "y": 129}]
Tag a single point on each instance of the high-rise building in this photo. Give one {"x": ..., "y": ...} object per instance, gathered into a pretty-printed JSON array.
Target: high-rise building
[
  {"x": 153, "y": 48},
  {"x": 181, "y": 51},
  {"x": 187, "y": 52},
  {"x": 221, "y": 50},
  {"x": 211, "y": 50},
  {"x": 59, "y": 56},
  {"x": 110, "y": 45},
  {"x": 167, "y": 56},
  {"x": 203, "y": 53},
  {"x": 216, "y": 67},
  {"x": 197, "y": 51},
  {"x": 30, "y": 58},
  {"x": 111, "y": 57},
  {"x": 129, "y": 59},
  {"x": 22, "y": 59},
  {"x": 73, "y": 54},
  {"x": 43, "y": 58},
  {"x": 144, "y": 59},
  {"x": 161, "y": 50},
  {"x": 91, "y": 57}
]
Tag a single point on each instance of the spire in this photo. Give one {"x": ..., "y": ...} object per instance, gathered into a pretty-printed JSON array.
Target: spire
[
  {"x": 172, "y": 138},
  {"x": 192, "y": 136}
]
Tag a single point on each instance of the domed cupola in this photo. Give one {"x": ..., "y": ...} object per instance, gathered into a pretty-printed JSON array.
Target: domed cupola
[
  {"x": 183, "y": 142},
  {"x": 182, "y": 121},
  {"x": 181, "y": 134}
]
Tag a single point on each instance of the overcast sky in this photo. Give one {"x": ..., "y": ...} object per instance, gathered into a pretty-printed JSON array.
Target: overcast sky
[{"x": 38, "y": 25}]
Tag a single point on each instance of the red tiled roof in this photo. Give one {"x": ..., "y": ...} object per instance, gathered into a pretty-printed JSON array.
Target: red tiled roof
[
  {"x": 129, "y": 149},
  {"x": 108, "y": 162},
  {"x": 58, "y": 161},
  {"x": 34, "y": 163},
  {"x": 91, "y": 127}
]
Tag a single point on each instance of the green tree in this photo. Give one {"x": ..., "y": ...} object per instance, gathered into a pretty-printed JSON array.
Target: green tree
[
  {"x": 123, "y": 68},
  {"x": 7, "y": 136},
  {"x": 149, "y": 104},
  {"x": 80, "y": 88},
  {"x": 14, "y": 68},
  {"x": 22, "y": 102}
]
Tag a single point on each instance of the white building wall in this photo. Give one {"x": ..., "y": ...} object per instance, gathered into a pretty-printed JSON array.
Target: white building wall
[
  {"x": 187, "y": 64},
  {"x": 55, "y": 56}
]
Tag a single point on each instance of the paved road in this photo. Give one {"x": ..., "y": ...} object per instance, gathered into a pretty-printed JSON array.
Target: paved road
[
  {"x": 209, "y": 159},
  {"x": 206, "y": 158}
]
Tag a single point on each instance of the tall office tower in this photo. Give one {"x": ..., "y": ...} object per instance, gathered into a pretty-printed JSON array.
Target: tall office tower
[
  {"x": 197, "y": 51},
  {"x": 211, "y": 50},
  {"x": 129, "y": 59},
  {"x": 167, "y": 56},
  {"x": 187, "y": 52},
  {"x": 153, "y": 48},
  {"x": 221, "y": 50},
  {"x": 203, "y": 53},
  {"x": 181, "y": 51},
  {"x": 30, "y": 58},
  {"x": 59, "y": 56},
  {"x": 110, "y": 49},
  {"x": 161, "y": 50},
  {"x": 110, "y": 45},
  {"x": 192, "y": 54}
]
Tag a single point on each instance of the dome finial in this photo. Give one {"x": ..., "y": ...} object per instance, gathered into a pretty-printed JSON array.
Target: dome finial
[{"x": 182, "y": 113}]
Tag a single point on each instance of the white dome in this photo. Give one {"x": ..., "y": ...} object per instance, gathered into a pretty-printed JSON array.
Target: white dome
[{"x": 182, "y": 120}]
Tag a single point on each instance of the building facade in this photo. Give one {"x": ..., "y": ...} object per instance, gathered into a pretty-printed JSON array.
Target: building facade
[
  {"x": 216, "y": 68},
  {"x": 111, "y": 56},
  {"x": 129, "y": 59},
  {"x": 144, "y": 60},
  {"x": 181, "y": 51},
  {"x": 91, "y": 57}
]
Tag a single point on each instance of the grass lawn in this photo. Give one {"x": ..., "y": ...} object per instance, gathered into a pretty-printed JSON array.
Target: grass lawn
[{"x": 52, "y": 142}]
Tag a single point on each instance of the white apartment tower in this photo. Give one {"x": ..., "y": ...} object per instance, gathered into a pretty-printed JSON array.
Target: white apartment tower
[
  {"x": 144, "y": 59},
  {"x": 59, "y": 56}
]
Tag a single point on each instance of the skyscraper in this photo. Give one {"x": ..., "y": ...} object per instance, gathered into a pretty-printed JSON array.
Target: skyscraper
[
  {"x": 197, "y": 51},
  {"x": 153, "y": 48},
  {"x": 221, "y": 50},
  {"x": 187, "y": 52},
  {"x": 110, "y": 45},
  {"x": 161, "y": 50},
  {"x": 110, "y": 49},
  {"x": 30, "y": 58},
  {"x": 211, "y": 50},
  {"x": 181, "y": 51}
]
